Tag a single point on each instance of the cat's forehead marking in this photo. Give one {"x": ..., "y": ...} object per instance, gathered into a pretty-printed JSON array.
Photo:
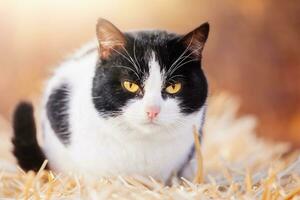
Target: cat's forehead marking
[{"x": 154, "y": 81}]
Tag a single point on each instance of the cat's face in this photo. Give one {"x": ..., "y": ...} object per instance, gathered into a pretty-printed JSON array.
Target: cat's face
[{"x": 149, "y": 80}]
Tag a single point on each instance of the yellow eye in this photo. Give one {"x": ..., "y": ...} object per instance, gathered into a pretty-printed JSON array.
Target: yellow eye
[
  {"x": 174, "y": 88},
  {"x": 131, "y": 87}
]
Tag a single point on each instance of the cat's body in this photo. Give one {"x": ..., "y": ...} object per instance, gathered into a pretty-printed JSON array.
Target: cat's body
[{"x": 113, "y": 111}]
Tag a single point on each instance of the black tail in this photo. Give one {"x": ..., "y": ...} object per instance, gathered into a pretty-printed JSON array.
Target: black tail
[{"x": 26, "y": 148}]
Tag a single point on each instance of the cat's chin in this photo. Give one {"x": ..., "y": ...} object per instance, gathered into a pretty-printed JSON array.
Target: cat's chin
[{"x": 146, "y": 127}]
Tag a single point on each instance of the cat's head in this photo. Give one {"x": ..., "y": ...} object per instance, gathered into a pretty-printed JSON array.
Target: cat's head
[{"x": 149, "y": 80}]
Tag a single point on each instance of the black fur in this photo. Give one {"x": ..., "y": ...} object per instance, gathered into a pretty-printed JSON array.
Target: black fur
[
  {"x": 26, "y": 148},
  {"x": 108, "y": 94},
  {"x": 57, "y": 107}
]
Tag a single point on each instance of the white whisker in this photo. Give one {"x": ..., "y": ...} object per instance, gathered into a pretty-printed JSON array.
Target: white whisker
[
  {"x": 123, "y": 56},
  {"x": 192, "y": 60},
  {"x": 129, "y": 60},
  {"x": 136, "y": 58},
  {"x": 180, "y": 61},
  {"x": 134, "y": 64},
  {"x": 186, "y": 49},
  {"x": 125, "y": 67},
  {"x": 179, "y": 64},
  {"x": 174, "y": 76}
]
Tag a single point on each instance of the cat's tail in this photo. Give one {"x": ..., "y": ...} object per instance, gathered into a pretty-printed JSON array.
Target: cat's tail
[{"x": 25, "y": 144}]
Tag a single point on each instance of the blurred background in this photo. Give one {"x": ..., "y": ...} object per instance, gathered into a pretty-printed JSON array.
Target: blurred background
[{"x": 253, "y": 50}]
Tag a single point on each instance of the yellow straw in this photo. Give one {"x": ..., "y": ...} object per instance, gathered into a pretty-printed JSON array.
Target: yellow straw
[{"x": 199, "y": 174}]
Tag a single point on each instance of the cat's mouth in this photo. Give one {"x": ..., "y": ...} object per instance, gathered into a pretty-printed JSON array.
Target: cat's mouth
[{"x": 151, "y": 123}]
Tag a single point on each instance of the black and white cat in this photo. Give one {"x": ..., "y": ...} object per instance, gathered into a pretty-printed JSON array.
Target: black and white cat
[{"x": 124, "y": 104}]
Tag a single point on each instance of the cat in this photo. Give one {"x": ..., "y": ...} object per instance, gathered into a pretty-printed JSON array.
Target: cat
[{"x": 124, "y": 104}]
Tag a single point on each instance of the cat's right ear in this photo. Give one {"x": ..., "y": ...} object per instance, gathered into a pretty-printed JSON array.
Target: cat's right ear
[{"x": 110, "y": 38}]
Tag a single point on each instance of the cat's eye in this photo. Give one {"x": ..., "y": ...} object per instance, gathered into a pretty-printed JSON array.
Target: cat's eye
[
  {"x": 173, "y": 88},
  {"x": 131, "y": 87}
]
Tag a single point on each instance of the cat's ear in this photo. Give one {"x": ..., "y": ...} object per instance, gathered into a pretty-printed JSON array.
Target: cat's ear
[
  {"x": 110, "y": 38},
  {"x": 195, "y": 40}
]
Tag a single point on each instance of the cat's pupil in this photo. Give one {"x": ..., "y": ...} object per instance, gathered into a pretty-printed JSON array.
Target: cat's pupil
[
  {"x": 130, "y": 85},
  {"x": 173, "y": 86}
]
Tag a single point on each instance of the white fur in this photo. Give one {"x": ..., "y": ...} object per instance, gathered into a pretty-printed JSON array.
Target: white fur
[{"x": 125, "y": 145}]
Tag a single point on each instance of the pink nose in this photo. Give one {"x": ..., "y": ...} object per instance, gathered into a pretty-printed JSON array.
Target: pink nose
[{"x": 152, "y": 111}]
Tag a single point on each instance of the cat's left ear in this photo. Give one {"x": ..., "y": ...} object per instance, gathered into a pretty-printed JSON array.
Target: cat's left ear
[
  {"x": 195, "y": 40},
  {"x": 110, "y": 38}
]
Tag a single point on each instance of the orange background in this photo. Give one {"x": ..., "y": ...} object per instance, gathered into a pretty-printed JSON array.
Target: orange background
[{"x": 252, "y": 51}]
